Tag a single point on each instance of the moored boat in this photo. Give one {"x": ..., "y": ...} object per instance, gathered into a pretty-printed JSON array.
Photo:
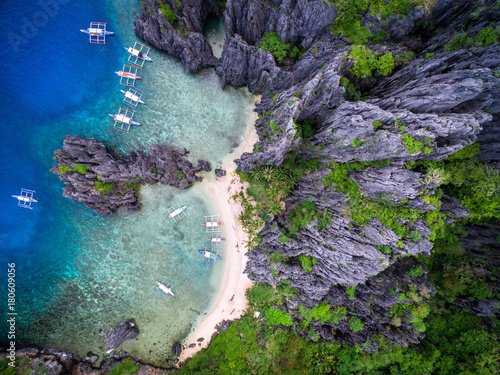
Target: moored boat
[
  {"x": 139, "y": 54},
  {"x": 121, "y": 73},
  {"x": 124, "y": 119},
  {"x": 210, "y": 255}
]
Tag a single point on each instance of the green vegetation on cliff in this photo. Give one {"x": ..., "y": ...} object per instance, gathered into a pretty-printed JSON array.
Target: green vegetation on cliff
[
  {"x": 277, "y": 47},
  {"x": 456, "y": 342},
  {"x": 351, "y": 12},
  {"x": 483, "y": 38}
]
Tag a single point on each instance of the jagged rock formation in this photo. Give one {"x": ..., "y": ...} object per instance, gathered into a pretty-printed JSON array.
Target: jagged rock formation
[
  {"x": 126, "y": 331},
  {"x": 122, "y": 174},
  {"x": 299, "y": 22},
  {"x": 185, "y": 38},
  {"x": 426, "y": 109},
  {"x": 50, "y": 362},
  {"x": 444, "y": 101}
]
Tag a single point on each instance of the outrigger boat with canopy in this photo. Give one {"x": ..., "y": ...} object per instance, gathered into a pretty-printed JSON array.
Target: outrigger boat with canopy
[
  {"x": 216, "y": 238},
  {"x": 210, "y": 254},
  {"x": 25, "y": 199},
  {"x": 138, "y": 54},
  {"x": 212, "y": 224},
  {"x": 128, "y": 75},
  {"x": 165, "y": 287},
  {"x": 132, "y": 97},
  {"x": 176, "y": 212},
  {"x": 97, "y": 32},
  {"x": 124, "y": 119}
]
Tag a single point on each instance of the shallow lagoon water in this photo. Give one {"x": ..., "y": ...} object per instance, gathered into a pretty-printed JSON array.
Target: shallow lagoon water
[{"x": 80, "y": 275}]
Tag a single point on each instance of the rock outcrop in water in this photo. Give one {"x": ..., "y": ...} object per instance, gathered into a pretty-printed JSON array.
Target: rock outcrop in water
[
  {"x": 104, "y": 182},
  {"x": 126, "y": 331}
]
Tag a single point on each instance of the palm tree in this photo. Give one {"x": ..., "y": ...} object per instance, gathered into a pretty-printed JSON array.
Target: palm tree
[
  {"x": 258, "y": 173},
  {"x": 285, "y": 190},
  {"x": 291, "y": 180},
  {"x": 268, "y": 173},
  {"x": 273, "y": 192},
  {"x": 274, "y": 207},
  {"x": 279, "y": 174}
]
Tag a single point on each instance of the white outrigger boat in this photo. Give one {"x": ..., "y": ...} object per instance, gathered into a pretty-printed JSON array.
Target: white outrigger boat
[
  {"x": 97, "y": 32},
  {"x": 212, "y": 224},
  {"x": 124, "y": 119},
  {"x": 217, "y": 239},
  {"x": 138, "y": 54},
  {"x": 176, "y": 212},
  {"x": 132, "y": 97},
  {"x": 163, "y": 289},
  {"x": 135, "y": 52},
  {"x": 25, "y": 199},
  {"x": 210, "y": 254}
]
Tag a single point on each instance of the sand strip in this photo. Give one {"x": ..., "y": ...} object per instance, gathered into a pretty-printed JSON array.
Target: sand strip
[{"x": 231, "y": 302}]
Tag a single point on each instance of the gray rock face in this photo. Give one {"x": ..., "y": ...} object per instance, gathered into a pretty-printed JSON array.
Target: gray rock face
[
  {"x": 396, "y": 27},
  {"x": 400, "y": 182},
  {"x": 126, "y": 331},
  {"x": 242, "y": 64},
  {"x": 298, "y": 21},
  {"x": 189, "y": 45},
  {"x": 162, "y": 164},
  {"x": 364, "y": 131}
]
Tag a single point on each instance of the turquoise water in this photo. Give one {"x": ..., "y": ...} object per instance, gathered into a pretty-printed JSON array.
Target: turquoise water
[{"x": 80, "y": 275}]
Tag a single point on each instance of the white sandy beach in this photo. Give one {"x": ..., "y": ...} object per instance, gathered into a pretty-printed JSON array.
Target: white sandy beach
[{"x": 230, "y": 302}]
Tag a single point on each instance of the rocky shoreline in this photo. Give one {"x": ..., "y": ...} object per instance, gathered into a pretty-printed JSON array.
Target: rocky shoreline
[
  {"x": 37, "y": 361},
  {"x": 105, "y": 182}
]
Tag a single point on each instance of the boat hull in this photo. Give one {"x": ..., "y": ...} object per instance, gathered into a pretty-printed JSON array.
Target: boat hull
[
  {"x": 106, "y": 33},
  {"x": 128, "y": 75}
]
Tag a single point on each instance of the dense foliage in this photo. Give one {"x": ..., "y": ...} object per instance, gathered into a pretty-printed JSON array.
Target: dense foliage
[
  {"x": 268, "y": 185},
  {"x": 277, "y": 47},
  {"x": 366, "y": 62},
  {"x": 456, "y": 342},
  {"x": 351, "y": 12},
  {"x": 483, "y": 38},
  {"x": 168, "y": 12}
]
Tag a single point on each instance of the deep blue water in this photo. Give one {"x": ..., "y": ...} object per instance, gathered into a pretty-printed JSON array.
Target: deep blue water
[
  {"x": 77, "y": 273},
  {"x": 51, "y": 73}
]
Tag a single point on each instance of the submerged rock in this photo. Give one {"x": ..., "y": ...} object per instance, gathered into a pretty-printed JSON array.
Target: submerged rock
[
  {"x": 126, "y": 331},
  {"x": 177, "y": 349}
]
